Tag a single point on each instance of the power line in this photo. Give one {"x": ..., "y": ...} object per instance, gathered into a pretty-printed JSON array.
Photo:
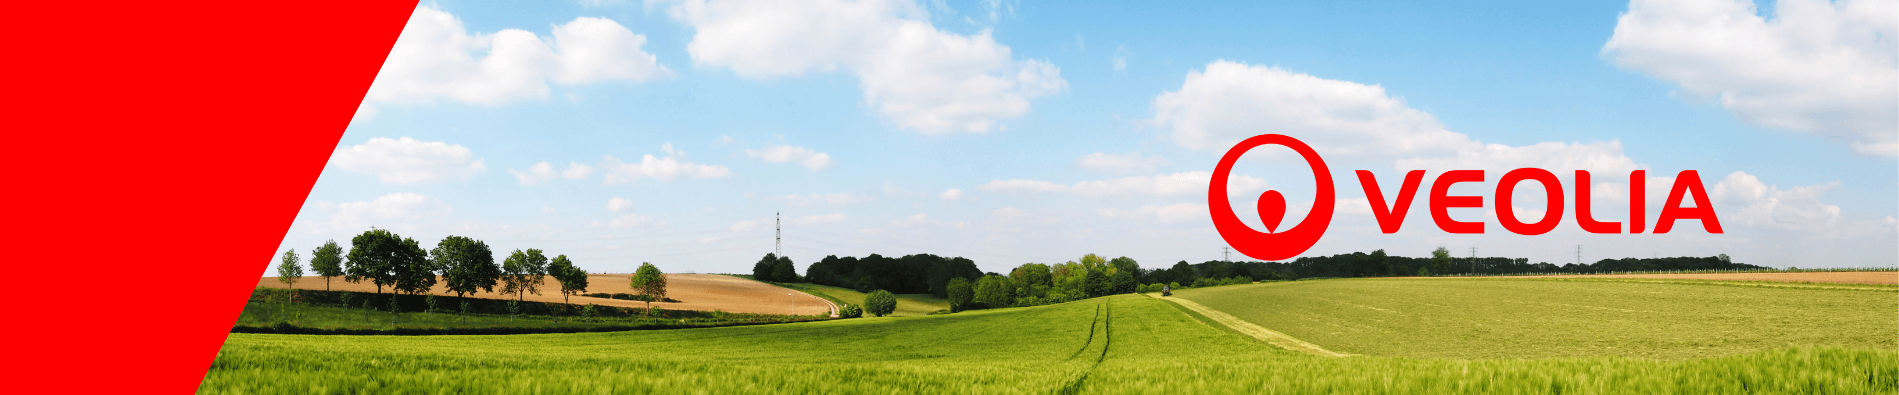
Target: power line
[{"x": 778, "y": 234}]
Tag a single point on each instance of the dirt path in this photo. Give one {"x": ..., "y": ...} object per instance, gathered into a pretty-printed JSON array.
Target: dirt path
[
  {"x": 702, "y": 292},
  {"x": 1254, "y": 330}
]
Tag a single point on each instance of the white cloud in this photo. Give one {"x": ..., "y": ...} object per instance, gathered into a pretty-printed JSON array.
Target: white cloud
[
  {"x": 1176, "y": 184},
  {"x": 746, "y": 225},
  {"x": 788, "y": 154},
  {"x": 917, "y": 76},
  {"x": 662, "y": 169},
  {"x": 1132, "y": 162},
  {"x": 1826, "y": 68},
  {"x": 1344, "y": 120},
  {"x": 1174, "y": 213},
  {"x": 630, "y": 220},
  {"x": 829, "y": 198},
  {"x": 544, "y": 171},
  {"x": 618, "y": 204},
  {"x": 548, "y": 210},
  {"x": 819, "y": 219},
  {"x": 408, "y": 161},
  {"x": 1120, "y": 61},
  {"x": 396, "y": 211},
  {"x": 1228, "y": 102},
  {"x": 436, "y": 57},
  {"x": 1765, "y": 205},
  {"x": 952, "y": 195}
]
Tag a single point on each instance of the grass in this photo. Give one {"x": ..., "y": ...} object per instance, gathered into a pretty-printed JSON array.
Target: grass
[
  {"x": 1545, "y": 318},
  {"x": 907, "y": 304},
  {"x": 1122, "y": 344}
]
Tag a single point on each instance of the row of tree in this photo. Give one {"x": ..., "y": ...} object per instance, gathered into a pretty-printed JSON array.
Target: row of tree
[
  {"x": 910, "y": 274},
  {"x": 465, "y": 266},
  {"x": 1440, "y": 262}
]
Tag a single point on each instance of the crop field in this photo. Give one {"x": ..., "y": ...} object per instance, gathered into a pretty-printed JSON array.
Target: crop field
[
  {"x": 1121, "y": 344},
  {"x": 907, "y": 304},
  {"x": 699, "y": 292},
  {"x": 1500, "y": 318}
]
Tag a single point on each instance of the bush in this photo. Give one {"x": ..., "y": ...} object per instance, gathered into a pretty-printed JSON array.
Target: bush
[
  {"x": 850, "y": 311},
  {"x": 880, "y": 303}
]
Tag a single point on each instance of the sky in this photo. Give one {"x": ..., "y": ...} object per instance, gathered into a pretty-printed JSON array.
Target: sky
[{"x": 683, "y": 133}]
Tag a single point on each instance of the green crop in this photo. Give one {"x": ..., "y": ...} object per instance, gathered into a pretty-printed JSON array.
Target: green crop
[
  {"x": 1544, "y": 318},
  {"x": 1121, "y": 344}
]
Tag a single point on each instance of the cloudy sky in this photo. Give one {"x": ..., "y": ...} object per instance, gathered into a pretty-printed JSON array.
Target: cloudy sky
[{"x": 1010, "y": 132}]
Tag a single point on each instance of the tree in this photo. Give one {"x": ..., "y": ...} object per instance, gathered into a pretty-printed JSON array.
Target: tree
[
  {"x": 1129, "y": 266},
  {"x": 467, "y": 265},
  {"x": 1095, "y": 283},
  {"x": 414, "y": 272},
  {"x": 784, "y": 271},
  {"x": 993, "y": 292},
  {"x": 385, "y": 259},
  {"x": 1441, "y": 261},
  {"x": 523, "y": 273},
  {"x": 649, "y": 282},
  {"x": 766, "y": 269},
  {"x": 960, "y": 294},
  {"x": 327, "y": 261},
  {"x": 880, "y": 303},
  {"x": 291, "y": 269},
  {"x": 572, "y": 279},
  {"x": 1122, "y": 282}
]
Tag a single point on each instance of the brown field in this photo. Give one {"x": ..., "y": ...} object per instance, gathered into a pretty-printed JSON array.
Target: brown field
[
  {"x": 1812, "y": 277},
  {"x": 702, "y": 292}
]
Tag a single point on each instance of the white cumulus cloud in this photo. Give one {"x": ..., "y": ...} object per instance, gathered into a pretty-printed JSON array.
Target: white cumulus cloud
[
  {"x": 829, "y": 198},
  {"x": 436, "y": 57},
  {"x": 408, "y": 161},
  {"x": 618, "y": 204},
  {"x": 1826, "y": 68},
  {"x": 663, "y": 169},
  {"x": 788, "y": 154},
  {"x": 1798, "y": 208},
  {"x": 396, "y": 211},
  {"x": 1176, "y": 184},
  {"x": 919, "y": 77},
  {"x": 544, "y": 171},
  {"x": 630, "y": 220}
]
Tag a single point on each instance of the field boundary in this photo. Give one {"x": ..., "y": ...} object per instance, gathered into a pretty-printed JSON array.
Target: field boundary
[{"x": 1250, "y": 329}]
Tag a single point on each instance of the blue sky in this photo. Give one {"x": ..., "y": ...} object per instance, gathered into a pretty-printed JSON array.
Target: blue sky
[{"x": 1015, "y": 132}]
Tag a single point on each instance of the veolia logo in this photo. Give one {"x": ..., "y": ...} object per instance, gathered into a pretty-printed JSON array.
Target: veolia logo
[{"x": 1273, "y": 245}]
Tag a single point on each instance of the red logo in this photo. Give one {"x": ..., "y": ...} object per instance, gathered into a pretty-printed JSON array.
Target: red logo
[{"x": 1273, "y": 245}]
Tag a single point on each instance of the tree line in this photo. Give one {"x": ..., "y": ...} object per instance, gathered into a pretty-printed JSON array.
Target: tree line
[{"x": 464, "y": 266}]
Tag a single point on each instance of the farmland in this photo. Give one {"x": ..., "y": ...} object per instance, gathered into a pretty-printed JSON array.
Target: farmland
[
  {"x": 907, "y": 304},
  {"x": 1120, "y": 344},
  {"x": 1545, "y": 318},
  {"x": 700, "y": 292}
]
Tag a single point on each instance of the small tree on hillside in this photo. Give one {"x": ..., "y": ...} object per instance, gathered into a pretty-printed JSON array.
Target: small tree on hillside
[
  {"x": 960, "y": 294},
  {"x": 784, "y": 270},
  {"x": 290, "y": 270},
  {"x": 880, "y": 303},
  {"x": 649, "y": 282},
  {"x": 327, "y": 261},
  {"x": 766, "y": 269},
  {"x": 572, "y": 279},
  {"x": 523, "y": 273}
]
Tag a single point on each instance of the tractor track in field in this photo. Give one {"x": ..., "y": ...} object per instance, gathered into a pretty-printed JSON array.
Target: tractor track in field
[
  {"x": 1250, "y": 329},
  {"x": 1105, "y": 312}
]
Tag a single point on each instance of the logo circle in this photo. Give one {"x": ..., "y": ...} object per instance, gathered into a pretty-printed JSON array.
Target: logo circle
[{"x": 1264, "y": 245}]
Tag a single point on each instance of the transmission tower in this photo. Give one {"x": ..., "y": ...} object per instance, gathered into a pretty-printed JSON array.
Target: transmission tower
[
  {"x": 1579, "y": 254},
  {"x": 1473, "y": 260},
  {"x": 778, "y": 235},
  {"x": 1226, "y": 254}
]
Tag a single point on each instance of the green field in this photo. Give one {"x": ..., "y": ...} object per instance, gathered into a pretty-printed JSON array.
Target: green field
[
  {"x": 907, "y": 304},
  {"x": 1543, "y": 318},
  {"x": 1121, "y": 344}
]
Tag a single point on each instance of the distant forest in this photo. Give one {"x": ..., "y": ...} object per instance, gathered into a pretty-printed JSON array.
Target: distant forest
[{"x": 931, "y": 274}]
